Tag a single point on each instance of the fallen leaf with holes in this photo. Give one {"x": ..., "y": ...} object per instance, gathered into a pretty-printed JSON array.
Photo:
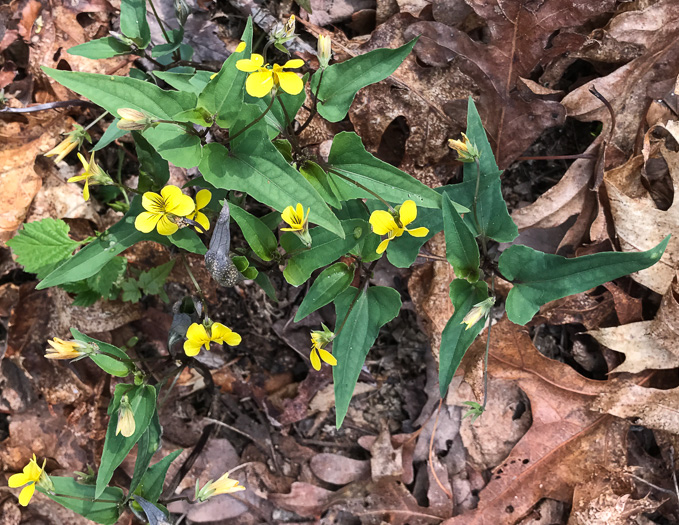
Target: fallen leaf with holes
[
  {"x": 640, "y": 225},
  {"x": 566, "y": 441},
  {"x": 647, "y": 345}
]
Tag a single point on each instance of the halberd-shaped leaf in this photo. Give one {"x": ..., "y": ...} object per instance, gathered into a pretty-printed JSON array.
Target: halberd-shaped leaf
[
  {"x": 342, "y": 81},
  {"x": 540, "y": 277}
]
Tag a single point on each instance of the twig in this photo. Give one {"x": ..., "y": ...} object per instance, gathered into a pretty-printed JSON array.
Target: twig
[
  {"x": 234, "y": 429},
  {"x": 485, "y": 359},
  {"x": 674, "y": 472},
  {"x": 656, "y": 487},
  {"x": 48, "y": 105}
]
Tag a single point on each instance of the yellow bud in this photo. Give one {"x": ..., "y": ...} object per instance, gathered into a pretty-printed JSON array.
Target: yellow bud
[{"x": 324, "y": 50}]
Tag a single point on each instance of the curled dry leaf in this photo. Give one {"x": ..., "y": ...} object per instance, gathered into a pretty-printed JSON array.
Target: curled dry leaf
[
  {"x": 640, "y": 225},
  {"x": 647, "y": 345}
]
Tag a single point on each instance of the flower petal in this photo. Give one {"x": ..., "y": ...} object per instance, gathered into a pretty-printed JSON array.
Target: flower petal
[
  {"x": 259, "y": 84},
  {"x": 166, "y": 226},
  {"x": 181, "y": 205},
  {"x": 315, "y": 359},
  {"x": 146, "y": 221},
  {"x": 289, "y": 216},
  {"x": 203, "y": 198},
  {"x": 383, "y": 246},
  {"x": 197, "y": 332},
  {"x": 233, "y": 339},
  {"x": 86, "y": 190},
  {"x": 78, "y": 178},
  {"x": 290, "y": 82},
  {"x": 382, "y": 222},
  {"x": 419, "y": 232},
  {"x": 153, "y": 202},
  {"x": 202, "y": 219},
  {"x": 26, "y": 494},
  {"x": 192, "y": 348},
  {"x": 327, "y": 357},
  {"x": 407, "y": 213},
  {"x": 250, "y": 64},
  {"x": 18, "y": 480},
  {"x": 241, "y": 47},
  {"x": 293, "y": 64},
  {"x": 86, "y": 165}
]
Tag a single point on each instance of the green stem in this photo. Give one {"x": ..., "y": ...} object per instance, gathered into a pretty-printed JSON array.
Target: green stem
[
  {"x": 273, "y": 98},
  {"x": 288, "y": 126},
  {"x": 314, "y": 108},
  {"x": 119, "y": 176},
  {"x": 160, "y": 22},
  {"x": 195, "y": 284},
  {"x": 359, "y": 185},
  {"x": 485, "y": 359},
  {"x": 96, "y": 120}
]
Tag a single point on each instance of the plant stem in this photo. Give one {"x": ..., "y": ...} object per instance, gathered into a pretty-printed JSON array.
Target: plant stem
[
  {"x": 160, "y": 22},
  {"x": 314, "y": 108},
  {"x": 96, "y": 120},
  {"x": 195, "y": 283},
  {"x": 485, "y": 359},
  {"x": 253, "y": 122},
  {"x": 294, "y": 142},
  {"x": 359, "y": 185},
  {"x": 119, "y": 176}
]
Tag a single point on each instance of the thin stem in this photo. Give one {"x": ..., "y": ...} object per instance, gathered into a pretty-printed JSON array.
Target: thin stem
[
  {"x": 234, "y": 469},
  {"x": 288, "y": 124},
  {"x": 359, "y": 185},
  {"x": 482, "y": 235},
  {"x": 485, "y": 359},
  {"x": 48, "y": 105},
  {"x": 195, "y": 283},
  {"x": 253, "y": 122},
  {"x": 119, "y": 176},
  {"x": 96, "y": 120},
  {"x": 160, "y": 22},
  {"x": 314, "y": 108}
]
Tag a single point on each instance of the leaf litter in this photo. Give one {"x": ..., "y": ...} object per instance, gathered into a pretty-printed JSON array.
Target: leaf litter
[{"x": 555, "y": 441}]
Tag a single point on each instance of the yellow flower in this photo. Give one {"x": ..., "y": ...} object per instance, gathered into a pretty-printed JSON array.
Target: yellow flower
[
  {"x": 32, "y": 475},
  {"x": 385, "y": 223},
  {"x": 63, "y": 148},
  {"x": 318, "y": 341},
  {"x": 324, "y": 50},
  {"x": 66, "y": 349},
  {"x": 197, "y": 337},
  {"x": 126, "y": 424},
  {"x": 162, "y": 209},
  {"x": 224, "y": 485},
  {"x": 241, "y": 47},
  {"x": 132, "y": 119},
  {"x": 263, "y": 79},
  {"x": 203, "y": 198},
  {"x": 298, "y": 222},
  {"x": 478, "y": 311},
  {"x": 93, "y": 172},
  {"x": 467, "y": 152},
  {"x": 290, "y": 26}
]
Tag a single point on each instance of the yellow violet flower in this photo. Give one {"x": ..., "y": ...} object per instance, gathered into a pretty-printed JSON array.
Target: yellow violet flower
[
  {"x": 466, "y": 151},
  {"x": 241, "y": 47},
  {"x": 92, "y": 172},
  {"x": 126, "y": 424},
  {"x": 61, "y": 349},
  {"x": 298, "y": 222},
  {"x": 223, "y": 485},
  {"x": 132, "y": 119},
  {"x": 318, "y": 353},
  {"x": 479, "y": 311},
  {"x": 393, "y": 225},
  {"x": 203, "y": 198},
  {"x": 32, "y": 475},
  {"x": 197, "y": 337},
  {"x": 161, "y": 210},
  {"x": 63, "y": 148},
  {"x": 263, "y": 79},
  {"x": 324, "y": 50}
]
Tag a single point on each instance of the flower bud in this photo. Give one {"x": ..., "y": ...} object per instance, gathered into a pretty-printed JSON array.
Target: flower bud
[
  {"x": 133, "y": 120},
  {"x": 324, "y": 50},
  {"x": 479, "y": 311},
  {"x": 466, "y": 151},
  {"x": 181, "y": 11}
]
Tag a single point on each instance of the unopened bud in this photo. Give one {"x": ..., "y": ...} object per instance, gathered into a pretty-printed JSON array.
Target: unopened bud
[
  {"x": 181, "y": 11},
  {"x": 324, "y": 50},
  {"x": 133, "y": 120}
]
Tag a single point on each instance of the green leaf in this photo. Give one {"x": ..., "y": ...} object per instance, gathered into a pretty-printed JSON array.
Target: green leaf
[
  {"x": 179, "y": 81},
  {"x": 175, "y": 145},
  {"x": 85, "y": 296},
  {"x": 102, "y": 282},
  {"x": 328, "y": 285},
  {"x": 187, "y": 239},
  {"x": 349, "y": 157},
  {"x": 540, "y": 277},
  {"x": 493, "y": 216},
  {"x": 264, "y": 283},
  {"x": 403, "y": 251},
  {"x": 198, "y": 116},
  {"x": 322, "y": 183},
  {"x": 276, "y": 118},
  {"x": 326, "y": 248},
  {"x": 133, "y": 23},
  {"x": 260, "y": 238},
  {"x": 143, "y": 402},
  {"x": 372, "y": 310},
  {"x": 342, "y": 81},
  {"x": 257, "y": 168},
  {"x": 105, "y": 512},
  {"x": 109, "y": 358},
  {"x": 41, "y": 245},
  {"x": 462, "y": 251},
  {"x": 152, "y": 166},
  {"x": 175, "y": 36},
  {"x": 148, "y": 444},
  {"x": 223, "y": 95},
  {"x": 152, "y": 483},
  {"x": 455, "y": 339},
  {"x": 106, "y": 47},
  {"x": 113, "y": 93},
  {"x": 112, "y": 133},
  {"x": 153, "y": 280},
  {"x": 95, "y": 255},
  {"x": 131, "y": 291},
  {"x": 304, "y": 4}
]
